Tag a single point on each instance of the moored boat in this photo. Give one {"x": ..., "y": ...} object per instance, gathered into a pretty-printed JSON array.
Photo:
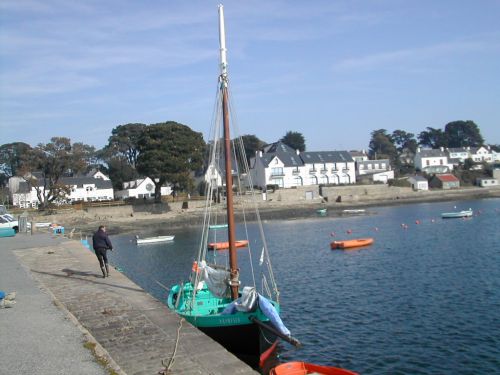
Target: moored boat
[
  {"x": 7, "y": 232},
  {"x": 457, "y": 214},
  {"x": 156, "y": 239},
  {"x": 321, "y": 211},
  {"x": 245, "y": 320},
  {"x": 225, "y": 245},
  {"x": 350, "y": 244},
  {"x": 354, "y": 211},
  {"x": 304, "y": 368}
]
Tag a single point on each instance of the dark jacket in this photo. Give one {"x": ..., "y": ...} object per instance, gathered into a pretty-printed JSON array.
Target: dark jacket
[{"x": 100, "y": 240}]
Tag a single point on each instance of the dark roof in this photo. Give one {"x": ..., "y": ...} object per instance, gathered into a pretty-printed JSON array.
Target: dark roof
[
  {"x": 285, "y": 153},
  {"x": 290, "y": 158},
  {"x": 80, "y": 181},
  {"x": 326, "y": 157},
  {"x": 431, "y": 153},
  {"x": 457, "y": 149}
]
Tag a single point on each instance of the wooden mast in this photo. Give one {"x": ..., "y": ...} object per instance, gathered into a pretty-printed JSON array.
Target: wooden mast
[{"x": 233, "y": 255}]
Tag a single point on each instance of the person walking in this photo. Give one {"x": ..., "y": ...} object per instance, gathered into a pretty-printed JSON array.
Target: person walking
[{"x": 101, "y": 243}]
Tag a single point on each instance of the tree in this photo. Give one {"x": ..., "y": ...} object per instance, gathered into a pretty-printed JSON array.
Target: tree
[
  {"x": 403, "y": 140},
  {"x": 12, "y": 158},
  {"x": 295, "y": 140},
  {"x": 124, "y": 141},
  {"x": 251, "y": 144},
  {"x": 463, "y": 134},
  {"x": 433, "y": 138},
  {"x": 82, "y": 158},
  {"x": 121, "y": 153},
  {"x": 169, "y": 152},
  {"x": 47, "y": 164},
  {"x": 382, "y": 146}
]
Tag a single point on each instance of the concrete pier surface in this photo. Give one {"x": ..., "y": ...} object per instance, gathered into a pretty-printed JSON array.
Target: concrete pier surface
[{"x": 68, "y": 319}]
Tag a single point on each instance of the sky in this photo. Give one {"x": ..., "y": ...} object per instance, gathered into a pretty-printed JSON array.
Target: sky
[{"x": 331, "y": 70}]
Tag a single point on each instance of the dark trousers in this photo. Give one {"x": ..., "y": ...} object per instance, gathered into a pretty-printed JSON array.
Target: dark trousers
[{"x": 101, "y": 256}]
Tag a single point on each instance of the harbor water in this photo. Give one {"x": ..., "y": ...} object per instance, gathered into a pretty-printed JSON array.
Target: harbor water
[{"x": 423, "y": 299}]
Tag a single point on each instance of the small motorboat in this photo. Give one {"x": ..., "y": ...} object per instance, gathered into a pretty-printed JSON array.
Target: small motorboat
[
  {"x": 304, "y": 368},
  {"x": 157, "y": 239},
  {"x": 457, "y": 214},
  {"x": 349, "y": 244},
  {"x": 354, "y": 211},
  {"x": 225, "y": 245},
  {"x": 321, "y": 211}
]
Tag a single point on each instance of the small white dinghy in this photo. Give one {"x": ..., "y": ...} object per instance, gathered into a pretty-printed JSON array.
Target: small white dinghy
[{"x": 156, "y": 239}]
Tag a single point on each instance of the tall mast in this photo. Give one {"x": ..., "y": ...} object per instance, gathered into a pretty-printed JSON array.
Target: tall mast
[{"x": 233, "y": 256}]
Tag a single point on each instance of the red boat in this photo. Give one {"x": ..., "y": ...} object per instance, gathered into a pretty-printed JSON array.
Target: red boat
[{"x": 304, "y": 368}]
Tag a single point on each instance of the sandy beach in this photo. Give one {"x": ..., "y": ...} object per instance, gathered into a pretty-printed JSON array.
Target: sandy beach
[{"x": 141, "y": 219}]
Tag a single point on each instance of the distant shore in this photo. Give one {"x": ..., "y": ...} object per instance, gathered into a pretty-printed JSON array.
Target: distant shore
[{"x": 176, "y": 218}]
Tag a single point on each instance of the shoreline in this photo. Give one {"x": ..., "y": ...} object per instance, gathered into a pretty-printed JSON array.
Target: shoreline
[{"x": 177, "y": 218}]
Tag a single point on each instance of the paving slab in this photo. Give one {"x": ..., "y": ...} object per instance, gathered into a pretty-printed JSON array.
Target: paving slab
[{"x": 135, "y": 333}]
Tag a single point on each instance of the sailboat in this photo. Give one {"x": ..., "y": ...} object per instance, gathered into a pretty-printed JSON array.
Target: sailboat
[{"x": 245, "y": 320}]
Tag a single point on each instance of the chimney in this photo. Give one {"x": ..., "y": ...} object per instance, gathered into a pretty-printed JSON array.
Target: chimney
[
  {"x": 297, "y": 151},
  {"x": 418, "y": 149},
  {"x": 442, "y": 149},
  {"x": 260, "y": 153}
]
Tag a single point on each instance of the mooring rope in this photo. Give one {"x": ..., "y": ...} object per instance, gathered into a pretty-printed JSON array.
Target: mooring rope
[{"x": 166, "y": 370}]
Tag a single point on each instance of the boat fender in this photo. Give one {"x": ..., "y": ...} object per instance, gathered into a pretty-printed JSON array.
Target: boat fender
[{"x": 195, "y": 267}]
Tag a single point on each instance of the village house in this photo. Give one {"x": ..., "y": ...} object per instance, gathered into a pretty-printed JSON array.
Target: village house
[
  {"x": 142, "y": 188},
  {"x": 358, "y": 156},
  {"x": 81, "y": 189},
  {"x": 418, "y": 183},
  {"x": 444, "y": 181},
  {"x": 486, "y": 182},
  {"x": 375, "y": 170},
  {"x": 279, "y": 164},
  {"x": 432, "y": 161}
]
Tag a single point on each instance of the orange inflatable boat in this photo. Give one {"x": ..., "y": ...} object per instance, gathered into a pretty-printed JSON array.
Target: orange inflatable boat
[
  {"x": 225, "y": 245},
  {"x": 304, "y": 368},
  {"x": 349, "y": 244}
]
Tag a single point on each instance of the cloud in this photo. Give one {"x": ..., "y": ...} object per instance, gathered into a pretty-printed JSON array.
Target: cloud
[{"x": 411, "y": 56}]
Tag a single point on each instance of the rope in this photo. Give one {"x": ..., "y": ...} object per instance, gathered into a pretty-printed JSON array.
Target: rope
[{"x": 167, "y": 368}]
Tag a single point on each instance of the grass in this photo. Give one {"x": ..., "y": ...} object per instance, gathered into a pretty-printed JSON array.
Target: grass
[{"x": 100, "y": 359}]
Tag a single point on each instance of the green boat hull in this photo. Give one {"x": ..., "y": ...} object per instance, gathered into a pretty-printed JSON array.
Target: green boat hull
[{"x": 236, "y": 332}]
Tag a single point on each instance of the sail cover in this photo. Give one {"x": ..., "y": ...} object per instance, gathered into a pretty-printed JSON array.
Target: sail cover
[{"x": 217, "y": 280}]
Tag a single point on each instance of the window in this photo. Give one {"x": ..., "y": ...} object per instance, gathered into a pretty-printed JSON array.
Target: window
[
  {"x": 440, "y": 161},
  {"x": 427, "y": 163},
  {"x": 277, "y": 171}
]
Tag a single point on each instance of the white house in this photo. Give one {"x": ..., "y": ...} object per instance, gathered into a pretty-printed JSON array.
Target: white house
[
  {"x": 358, "y": 156},
  {"x": 278, "y": 164},
  {"x": 458, "y": 155},
  {"x": 418, "y": 183},
  {"x": 481, "y": 154},
  {"x": 377, "y": 170},
  {"x": 141, "y": 188},
  {"x": 486, "y": 182},
  {"x": 86, "y": 189},
  {"x": 432, "y": 161}
]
